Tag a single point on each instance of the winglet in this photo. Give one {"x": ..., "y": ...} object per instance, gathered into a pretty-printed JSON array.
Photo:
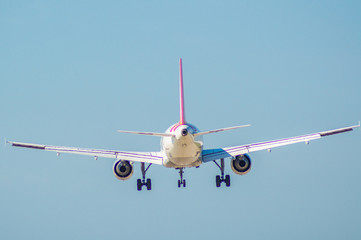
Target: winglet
[{"x": 182, "y": 120}]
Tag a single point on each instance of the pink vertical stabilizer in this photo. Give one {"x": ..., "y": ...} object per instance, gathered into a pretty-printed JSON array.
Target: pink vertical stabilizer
[{"x": 182, "y": 120}]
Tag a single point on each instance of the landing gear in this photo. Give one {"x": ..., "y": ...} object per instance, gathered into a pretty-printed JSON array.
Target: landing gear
[
  {"x": 142, "y": 182},
  {"x": 221, "y": 178},
  {"x": 181, "y": 182}
]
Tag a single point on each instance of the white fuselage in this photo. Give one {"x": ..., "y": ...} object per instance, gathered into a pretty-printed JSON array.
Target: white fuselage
[{"x": 183, "y": 149}]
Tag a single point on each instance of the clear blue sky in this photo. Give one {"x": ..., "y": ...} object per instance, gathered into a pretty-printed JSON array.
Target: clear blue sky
[{"x": 73, "y": 72}]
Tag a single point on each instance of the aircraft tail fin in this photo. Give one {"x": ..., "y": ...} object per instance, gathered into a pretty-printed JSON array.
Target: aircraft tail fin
[{"x": 182, "y": 120}]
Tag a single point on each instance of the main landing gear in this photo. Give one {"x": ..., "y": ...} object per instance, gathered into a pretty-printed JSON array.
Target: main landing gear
[
  {"x": 142, "y": 182},
  {"x": 220, "y": 179},
  {"x": 181, "y": 182}
]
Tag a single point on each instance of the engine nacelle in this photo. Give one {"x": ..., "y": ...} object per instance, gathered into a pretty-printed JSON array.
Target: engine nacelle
[
  {"x": 241, "y": 164},
  {"x": 123, "y": 170}
]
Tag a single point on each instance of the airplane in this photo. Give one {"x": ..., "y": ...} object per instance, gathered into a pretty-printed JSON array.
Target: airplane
[{"x": 182, "y": 147}]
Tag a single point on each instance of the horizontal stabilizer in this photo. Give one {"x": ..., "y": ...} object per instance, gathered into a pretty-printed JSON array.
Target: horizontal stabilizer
[
  {"x": 220, "y": 130},
  {"x": 148, "y": 133}
]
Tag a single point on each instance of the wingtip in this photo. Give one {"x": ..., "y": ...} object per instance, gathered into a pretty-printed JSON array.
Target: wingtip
[
  {"x": 356, "y": 126},
  {"x": 6, "y": 142}
]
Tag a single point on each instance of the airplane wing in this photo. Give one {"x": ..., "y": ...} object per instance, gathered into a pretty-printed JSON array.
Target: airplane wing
[
  {"x": 214, "y": 154},
  {"x": 147, "y": 157}
]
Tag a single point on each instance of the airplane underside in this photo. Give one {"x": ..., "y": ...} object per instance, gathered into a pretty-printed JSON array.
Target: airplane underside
[{"x": 177, "y": 162}]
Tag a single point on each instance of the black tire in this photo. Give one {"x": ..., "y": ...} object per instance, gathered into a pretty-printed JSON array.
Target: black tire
[
  {"x": 179, "y": 183},
  {"x": 184, "y": 183},
  {"x": 218, "y": 181},
  {"x": 149, "y": 184},
  {"x": 228, "y": 181},
  {"x": 139, "y": 185}
]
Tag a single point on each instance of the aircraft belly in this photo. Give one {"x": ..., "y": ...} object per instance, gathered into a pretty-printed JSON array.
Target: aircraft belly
[
  {"x": 181, "y": 162},
  {"x": 183, "y": 156}
]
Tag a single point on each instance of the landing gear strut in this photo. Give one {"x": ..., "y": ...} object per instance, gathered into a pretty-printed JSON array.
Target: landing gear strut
[
  {"x": 142, "y": 182},
  {"x": 220, "y": 179},
  {"x": 181, "y": 181}
]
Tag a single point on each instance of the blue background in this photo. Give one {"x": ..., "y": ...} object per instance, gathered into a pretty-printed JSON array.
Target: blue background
[{"x": 73, "y": 72}]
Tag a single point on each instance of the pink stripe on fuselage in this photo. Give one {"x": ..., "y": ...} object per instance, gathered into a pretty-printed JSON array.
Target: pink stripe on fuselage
[{"x": 175, "y": 126}]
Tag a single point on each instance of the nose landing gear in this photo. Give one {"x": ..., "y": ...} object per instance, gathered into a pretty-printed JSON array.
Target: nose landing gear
[{"x": 181, "y": 182}]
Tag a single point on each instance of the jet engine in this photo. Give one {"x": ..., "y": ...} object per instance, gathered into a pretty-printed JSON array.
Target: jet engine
[
  {"x": 123, "y": 170},
  {"x": 241, "y": 164}
]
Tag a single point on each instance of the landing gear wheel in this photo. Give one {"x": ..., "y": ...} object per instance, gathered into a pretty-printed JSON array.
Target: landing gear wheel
[
  {"x": 218, "y": 181},
  {"x": 142, "y": 182},
  {"x": 221, "y": 178},
  {"x": 139, "y": 184},
  {"x": 149, "y": 184},
  {"x": 182, "y": 183},
  {"x": 228, "y": 181}
]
